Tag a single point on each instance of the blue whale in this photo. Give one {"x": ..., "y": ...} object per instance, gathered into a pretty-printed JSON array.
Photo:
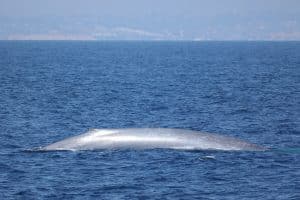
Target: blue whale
[{"x": 151, "y": 138}]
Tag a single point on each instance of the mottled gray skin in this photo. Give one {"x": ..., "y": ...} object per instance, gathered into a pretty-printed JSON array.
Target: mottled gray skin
[{"x": 149, "y": 138}]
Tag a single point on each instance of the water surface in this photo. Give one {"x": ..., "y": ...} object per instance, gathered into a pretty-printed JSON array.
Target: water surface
[{"x": 53, "y": 90}]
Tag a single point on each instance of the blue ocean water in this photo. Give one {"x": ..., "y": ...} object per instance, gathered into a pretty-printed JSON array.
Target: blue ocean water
[{"x": 53, "y": 90}]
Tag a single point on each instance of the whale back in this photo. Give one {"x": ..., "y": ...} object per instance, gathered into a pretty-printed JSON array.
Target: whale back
[{"x": 149, "y": 138}]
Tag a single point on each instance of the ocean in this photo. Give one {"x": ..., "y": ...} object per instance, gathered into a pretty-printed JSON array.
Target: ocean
[{"x": 51, "y": 90}]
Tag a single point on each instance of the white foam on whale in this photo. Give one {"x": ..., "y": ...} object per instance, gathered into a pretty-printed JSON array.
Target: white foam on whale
[{"x": 150, "y": 138}]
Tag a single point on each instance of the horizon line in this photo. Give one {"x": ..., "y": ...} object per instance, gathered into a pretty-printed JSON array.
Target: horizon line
[{"x": 146, "y": 40}]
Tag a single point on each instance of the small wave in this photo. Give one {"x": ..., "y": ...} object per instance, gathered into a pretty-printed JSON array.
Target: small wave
[
  {"x": 295, "y": 150},
  {"x": 208, "y": 157}
]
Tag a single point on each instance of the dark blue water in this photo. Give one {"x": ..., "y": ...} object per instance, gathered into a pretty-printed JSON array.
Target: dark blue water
[{"x": 52, "y": 90}]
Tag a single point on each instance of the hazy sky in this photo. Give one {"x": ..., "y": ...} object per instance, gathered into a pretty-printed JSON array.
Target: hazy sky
[{"x": 151, "y": 19}]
